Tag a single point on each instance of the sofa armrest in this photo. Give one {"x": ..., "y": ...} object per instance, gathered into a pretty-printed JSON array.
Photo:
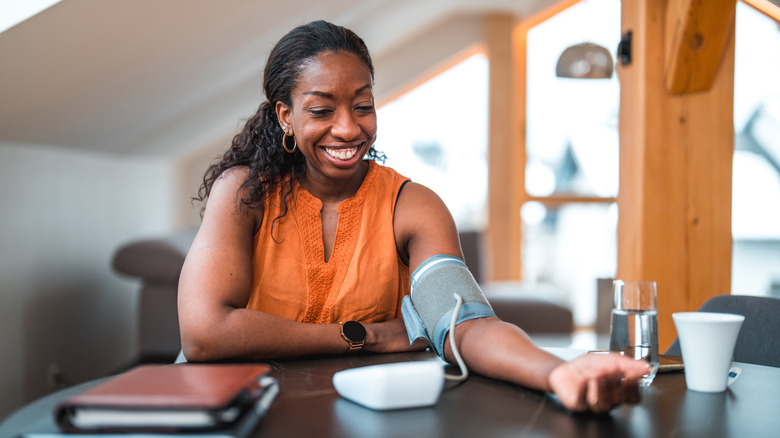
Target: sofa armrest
[
  {"x": 533, "y": 308},
  {"x": 154, "y": 260}
]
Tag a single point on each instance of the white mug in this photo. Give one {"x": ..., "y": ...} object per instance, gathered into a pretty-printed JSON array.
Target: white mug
[{"x": 707, "y": 342}]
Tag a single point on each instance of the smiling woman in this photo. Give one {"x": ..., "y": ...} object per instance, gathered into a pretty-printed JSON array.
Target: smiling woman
[
  {"x": 335, "y": 123},
  {"x": 296, "y": 217},
  {"x": 307, "y": 248}
]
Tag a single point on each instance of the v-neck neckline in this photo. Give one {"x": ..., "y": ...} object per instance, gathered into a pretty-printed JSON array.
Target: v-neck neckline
[{"x": 311, "y": 220}]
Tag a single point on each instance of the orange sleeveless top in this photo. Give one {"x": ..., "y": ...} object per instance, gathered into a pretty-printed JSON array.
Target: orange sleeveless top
[{"x": 364, "y": 280}]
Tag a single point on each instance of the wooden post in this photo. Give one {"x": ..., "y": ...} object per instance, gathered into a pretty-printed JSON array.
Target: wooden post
[
  {"x": 506, "y": 151},
  {"x": 676, "y": 157}
]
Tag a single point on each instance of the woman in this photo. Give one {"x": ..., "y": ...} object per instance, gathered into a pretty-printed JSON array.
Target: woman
[{"x": 300, "y": 233}]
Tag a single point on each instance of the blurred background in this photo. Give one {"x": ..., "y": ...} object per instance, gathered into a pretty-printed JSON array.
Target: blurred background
[{"x": 111, "y": 111}]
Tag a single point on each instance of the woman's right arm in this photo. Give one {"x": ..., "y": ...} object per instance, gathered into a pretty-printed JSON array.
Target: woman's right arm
[{"x": 215, "y": 284}]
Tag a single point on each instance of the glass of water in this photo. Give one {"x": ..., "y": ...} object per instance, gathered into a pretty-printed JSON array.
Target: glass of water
[{"x": 634, "y": 326}]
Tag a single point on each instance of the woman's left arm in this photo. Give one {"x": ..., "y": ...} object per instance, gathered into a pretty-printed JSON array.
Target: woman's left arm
[{"x": 497, "y": 349}]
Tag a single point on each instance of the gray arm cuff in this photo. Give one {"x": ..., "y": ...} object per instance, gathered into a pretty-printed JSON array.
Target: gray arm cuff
[{"x": 428, "y": 310}]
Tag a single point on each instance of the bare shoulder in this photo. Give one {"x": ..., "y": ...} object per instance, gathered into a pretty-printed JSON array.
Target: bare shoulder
[
  {"x": 225, "y": 211},
  {"x": 230, "y": 182},
  {"x": 417, "y": 203},
  {"x": 423, "y": 225},
  {"x": 225, "y": 199},
  {"x": 414, "y": 192}
]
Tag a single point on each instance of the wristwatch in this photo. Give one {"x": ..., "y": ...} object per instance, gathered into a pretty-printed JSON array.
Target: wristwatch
[{"x": 355, "y": 334}]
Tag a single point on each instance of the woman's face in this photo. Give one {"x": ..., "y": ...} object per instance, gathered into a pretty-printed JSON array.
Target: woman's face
[{"x": 332, "y": 117}]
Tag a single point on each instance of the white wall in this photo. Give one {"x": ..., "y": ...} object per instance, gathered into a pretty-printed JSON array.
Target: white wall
[
  {"x": 189, "y": 171},
  {"x": 62, "y": 215}
]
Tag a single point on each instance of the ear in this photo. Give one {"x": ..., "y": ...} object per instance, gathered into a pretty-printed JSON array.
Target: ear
[{"x": 284, "y": 114}]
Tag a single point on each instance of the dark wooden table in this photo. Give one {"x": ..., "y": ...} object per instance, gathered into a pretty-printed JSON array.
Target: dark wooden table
[{"x": 308, "y": 406}]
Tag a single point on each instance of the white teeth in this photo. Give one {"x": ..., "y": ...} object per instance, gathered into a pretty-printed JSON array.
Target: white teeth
[{"x": 341, "y": 154}]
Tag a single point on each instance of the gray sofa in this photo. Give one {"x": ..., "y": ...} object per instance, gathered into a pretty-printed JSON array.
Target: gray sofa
[{"x": 157, "y": 262}]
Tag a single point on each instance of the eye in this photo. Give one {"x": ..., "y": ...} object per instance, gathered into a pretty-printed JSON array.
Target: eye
[
  {"x": 365, "y": 108},
  {"x": 319, "y": 112}
]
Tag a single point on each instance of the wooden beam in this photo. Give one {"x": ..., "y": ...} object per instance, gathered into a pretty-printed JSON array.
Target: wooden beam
[
  {"x": 696, "y": 35},
  {"x": 676, "y": 152},
  {"x": 766, "y": 7},
  {"x": 545, "y": 14},
  {"x": 505, "y": 148}
]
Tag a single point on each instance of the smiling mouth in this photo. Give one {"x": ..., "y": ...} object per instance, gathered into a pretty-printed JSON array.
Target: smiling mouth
[{"x": 341, "y": 154}]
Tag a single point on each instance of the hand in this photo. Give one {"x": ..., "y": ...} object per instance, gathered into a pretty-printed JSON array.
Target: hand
[
  {"x": 597, "y": 382},
  {"x": 390, "y": 337}
]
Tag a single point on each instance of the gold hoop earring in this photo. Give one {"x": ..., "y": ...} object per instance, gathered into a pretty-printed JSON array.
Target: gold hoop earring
[{"x": 284, "y": 143}]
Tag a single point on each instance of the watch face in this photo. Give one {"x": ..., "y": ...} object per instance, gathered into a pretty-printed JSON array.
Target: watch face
[{"x": 354, "y": 331}]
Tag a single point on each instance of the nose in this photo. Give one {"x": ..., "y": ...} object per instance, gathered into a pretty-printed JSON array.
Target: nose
[{"x": 345, "y": 126}]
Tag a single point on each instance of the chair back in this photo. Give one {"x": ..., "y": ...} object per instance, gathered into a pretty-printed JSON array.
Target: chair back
[{"x": 759, "y": 338}]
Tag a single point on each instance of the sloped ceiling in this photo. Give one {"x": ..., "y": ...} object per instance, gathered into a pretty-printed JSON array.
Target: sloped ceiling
[{"x": 164, "y": 77}]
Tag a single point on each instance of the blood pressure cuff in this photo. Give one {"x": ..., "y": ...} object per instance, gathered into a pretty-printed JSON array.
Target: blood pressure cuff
[{"x": 427, "y": 311}]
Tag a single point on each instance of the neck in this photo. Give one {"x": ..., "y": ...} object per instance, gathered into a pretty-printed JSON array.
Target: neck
[{"x": 329, "y": 190}]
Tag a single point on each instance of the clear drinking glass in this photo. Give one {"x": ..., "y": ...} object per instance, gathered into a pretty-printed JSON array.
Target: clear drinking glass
[{"x": 634, "y": 326}]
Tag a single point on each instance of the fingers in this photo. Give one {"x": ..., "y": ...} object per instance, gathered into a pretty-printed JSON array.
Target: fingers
[
  {"x": 595, "y": 397},
  {"x": 631, "y": 368},
  {"x": 598, "y": 383},
  {"x": 617, "y": 382},
  {"x": 605, "y": 392}
]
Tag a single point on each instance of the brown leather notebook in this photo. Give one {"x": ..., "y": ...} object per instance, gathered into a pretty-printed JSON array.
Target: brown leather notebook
[{"x": 168, "y": 397}]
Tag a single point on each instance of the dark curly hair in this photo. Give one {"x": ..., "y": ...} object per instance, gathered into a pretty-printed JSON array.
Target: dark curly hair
[{"x": 259, "y": 144}]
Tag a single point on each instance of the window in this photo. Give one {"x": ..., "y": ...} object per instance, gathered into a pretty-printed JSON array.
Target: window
[
  {"x": 436, "y": 135},
  {"x": 572, "y": 124},
  {"x": 755, "y": 215},
  {"x": 571, "y": 151}
]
